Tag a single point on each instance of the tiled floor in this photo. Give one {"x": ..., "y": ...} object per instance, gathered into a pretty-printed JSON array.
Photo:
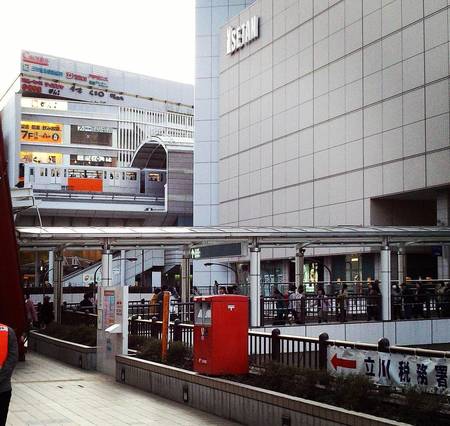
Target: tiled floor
[{"x": 46, "y": 392}]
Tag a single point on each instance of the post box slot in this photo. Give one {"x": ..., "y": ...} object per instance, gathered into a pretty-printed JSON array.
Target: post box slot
[{"x": 203, "y": 313}]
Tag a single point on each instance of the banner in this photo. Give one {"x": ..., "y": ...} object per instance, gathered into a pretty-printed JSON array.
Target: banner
[
  {"x": 386, "y": 369},
  {"x": 33, "y": 131}
]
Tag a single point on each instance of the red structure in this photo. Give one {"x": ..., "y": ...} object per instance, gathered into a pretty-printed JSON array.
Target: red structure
[
  {"x": 221, "y": 335},
  {"x": 12, "y": 310}
]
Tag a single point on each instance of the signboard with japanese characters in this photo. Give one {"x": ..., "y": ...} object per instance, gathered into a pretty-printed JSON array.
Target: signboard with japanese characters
[
  {"x": 64, "y": 78},
  {"x": 34, "y": 131},
  {"x": 388, "y": 369}
]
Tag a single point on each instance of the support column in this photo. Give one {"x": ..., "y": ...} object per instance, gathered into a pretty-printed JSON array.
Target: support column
[
  {"x": 36, "y": 269},
  {"x": 51, "y": 260},
  {"x": 385, "y": 279},
  {"x": 107, "y": 260},
  {"x": 299, "y": 266},
  {"x": 255, "y": 286},
  {"x": 58, "y": 284},
  {"x": 123, "y": 254},
  {"x": 401, "y": 259},
  {"x": 443, "y": 219},
  {"x": 185, "y": 270}
]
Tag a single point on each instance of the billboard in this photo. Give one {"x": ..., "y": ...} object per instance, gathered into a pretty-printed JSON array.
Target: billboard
[
  {"x": 64, "y": 78},
  {"x": 36, "y": 131}
]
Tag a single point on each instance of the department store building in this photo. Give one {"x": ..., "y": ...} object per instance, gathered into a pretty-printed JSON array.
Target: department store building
[{"x": 328, "y": 113}]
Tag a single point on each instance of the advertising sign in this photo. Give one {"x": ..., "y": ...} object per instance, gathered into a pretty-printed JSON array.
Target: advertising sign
[
  {"x": 33, "y": 131},
  {"x": 387, "y": 369},
  {"x": 109, "y": 308}
]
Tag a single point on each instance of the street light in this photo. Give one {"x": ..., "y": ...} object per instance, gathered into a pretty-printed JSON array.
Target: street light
[
  {"x": 131, "y": 259},
  {"x": 226, "y": 266}
]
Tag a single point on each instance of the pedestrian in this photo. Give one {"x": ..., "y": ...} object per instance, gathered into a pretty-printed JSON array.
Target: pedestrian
[
  {"x": 420, "y": 296},
  {"x": 279, "y": 303},
  {"x": 47, "y": 315},
  {"x": 342, "y": 302},
  {"x": 222, "y": 290},
  {"x": 373, "y": 301},
  {"x": 153, "y": 305},
  {"x": 9, "y": 355},
  {"x": 86, "y": 305},
  {"x": 407, "y": 300},
  {"x": 323, "y": 304},
  {"x": 296, "y": 304},
  {"x": 396, "y": 302},
  {"x": 440, "y": 294},
  {"x": 30, "y": 310}
]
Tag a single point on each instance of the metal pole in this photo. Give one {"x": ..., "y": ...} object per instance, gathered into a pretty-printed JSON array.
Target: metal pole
[
  {"x": 385, "y": 278},
  {"x": 401, "y": 260},
  {"x": 51, "y": 259},
  {"x": 57, "y": 287},
  {"x": 299, "y": 266},
  {"x": 255, "y": 286},
  {"x": 185, "y": 269},
  {"x": 36, "y": 269},
  {"x": 122, "y": 266},
  {"x": 106, "y": 267}
]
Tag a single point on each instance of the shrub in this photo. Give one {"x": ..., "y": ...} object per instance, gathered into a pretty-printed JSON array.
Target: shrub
[
  {"x": 352, "y": 391},
  {"x": 81, "y": 334},
  {"x": 179, "y": 355},
  {"x": 420, "y": 407},
  {"x": 137, "y": 342},
  {"x": 151, "y": 351}
]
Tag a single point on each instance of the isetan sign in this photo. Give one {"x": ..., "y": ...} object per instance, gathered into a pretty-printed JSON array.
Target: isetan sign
[{"x": 238, "y": 37}]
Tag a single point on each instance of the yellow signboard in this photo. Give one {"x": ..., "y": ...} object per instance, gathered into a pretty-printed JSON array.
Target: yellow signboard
[{"x": 33, "y": 131}]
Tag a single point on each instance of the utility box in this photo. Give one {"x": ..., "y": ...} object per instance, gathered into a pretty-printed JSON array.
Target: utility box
[{"x": 221, "y": 335}]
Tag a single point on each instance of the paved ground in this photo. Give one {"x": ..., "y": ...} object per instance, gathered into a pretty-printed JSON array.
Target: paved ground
[{"x": 46, "y": 392}]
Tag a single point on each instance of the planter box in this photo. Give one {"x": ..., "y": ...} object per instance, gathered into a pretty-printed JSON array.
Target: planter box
[
  {"x": 234, "y": 401},
  {"x": 81, "y": 356}
]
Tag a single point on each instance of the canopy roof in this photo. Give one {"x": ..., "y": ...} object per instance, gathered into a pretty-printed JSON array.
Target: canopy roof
[
  {"x": 135, "y": 237},
  {"x": 153, "y": 152}
]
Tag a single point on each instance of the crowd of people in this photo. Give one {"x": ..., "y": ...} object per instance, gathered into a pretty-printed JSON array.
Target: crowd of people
[{"x": 409, "y": 300}]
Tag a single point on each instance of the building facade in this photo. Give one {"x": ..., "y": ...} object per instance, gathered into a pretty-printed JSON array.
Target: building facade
[
  {"x": 336, "y": 114},
  {"x": 74, "y": 133}
]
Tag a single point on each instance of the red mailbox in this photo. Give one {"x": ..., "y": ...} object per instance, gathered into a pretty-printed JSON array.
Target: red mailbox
[{"x": 221, "y": 335}]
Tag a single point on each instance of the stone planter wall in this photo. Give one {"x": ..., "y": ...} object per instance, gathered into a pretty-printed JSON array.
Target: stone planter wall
[
  {"x": 230, "y": 400},
  {"x": 81, "y": 356}
]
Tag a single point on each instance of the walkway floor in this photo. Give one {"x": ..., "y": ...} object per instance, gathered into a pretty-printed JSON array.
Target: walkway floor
[{"x": 46, "y": 392}]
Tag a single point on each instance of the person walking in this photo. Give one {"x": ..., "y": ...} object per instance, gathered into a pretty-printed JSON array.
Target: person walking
[
  {"x": 30, "y": 311},
  {"x": 46, "y": 313},
  {"x": 323, "y": 304},
  {"x": 9, "y": 355},
  {"x": 342, "y": 301},
  {"x": 279, "y": 303}
]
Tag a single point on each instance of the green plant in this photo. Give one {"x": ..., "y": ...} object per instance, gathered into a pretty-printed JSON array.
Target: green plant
[
  {"x": 352, "y": 391},
  {"x": 137, "y": 342},
  {"x": 151, "y": 350},
  {"x": 81, "y": 334},
  {"x": 420, "y": 407},
  {"x": 179, "y": 355}
]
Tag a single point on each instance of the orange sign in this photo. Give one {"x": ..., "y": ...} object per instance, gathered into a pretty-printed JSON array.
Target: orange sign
[{"x": 33, "y": 131}]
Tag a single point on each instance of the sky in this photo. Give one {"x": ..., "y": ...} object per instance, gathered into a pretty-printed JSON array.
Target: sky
[{"x": 151, "y": 37}]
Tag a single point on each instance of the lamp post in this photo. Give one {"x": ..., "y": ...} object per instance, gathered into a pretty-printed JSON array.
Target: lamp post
[
  {"x": 130, "y": 259},
  {"x": 226, "y": 266}
]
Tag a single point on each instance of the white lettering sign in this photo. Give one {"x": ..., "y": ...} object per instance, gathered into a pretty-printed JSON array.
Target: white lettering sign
[
  {"x": 242, "y": 35},
  {"x": 389, "y": 369}
]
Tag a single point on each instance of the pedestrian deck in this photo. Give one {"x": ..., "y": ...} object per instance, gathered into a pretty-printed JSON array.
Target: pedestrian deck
[{"x": 47, "y": 392}]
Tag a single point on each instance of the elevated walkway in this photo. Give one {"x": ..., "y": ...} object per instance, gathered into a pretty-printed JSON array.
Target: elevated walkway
[{"x": 48, "y": 392}]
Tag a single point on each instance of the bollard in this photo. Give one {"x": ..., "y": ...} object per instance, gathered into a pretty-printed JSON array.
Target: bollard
[
  {"x": 154, "y": 328},
  {"x": 383, "y": 345},
  {"x": 177, "y": 331},
  {"x": 276, "y": 345},
  {"x": 323, "y": 345}
]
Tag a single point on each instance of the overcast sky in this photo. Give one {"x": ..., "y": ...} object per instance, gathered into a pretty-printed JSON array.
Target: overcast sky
[{"x": 152, "y": 37}]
